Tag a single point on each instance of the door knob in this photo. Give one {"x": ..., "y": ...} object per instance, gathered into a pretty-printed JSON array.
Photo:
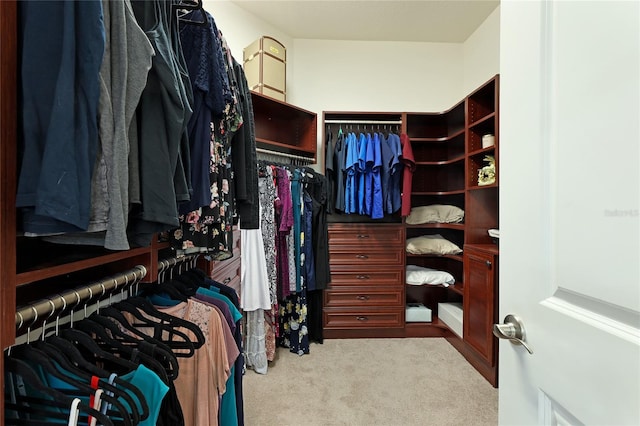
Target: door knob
[{"x": 512, "y": 330}]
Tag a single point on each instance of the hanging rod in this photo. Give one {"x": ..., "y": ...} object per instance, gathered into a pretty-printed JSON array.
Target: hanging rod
[
  {"x": 363, "y": 121},
  {"x": 166, "y": 264},
  {"x": 45, "y": 308},
  {"x": 284, "y": 154}
]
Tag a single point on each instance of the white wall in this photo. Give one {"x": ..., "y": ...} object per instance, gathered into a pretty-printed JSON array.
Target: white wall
[
  {"x": 329, "y": 75},
  {"x": 375, "y": 76},
  {"x": 482, "y": 54},
  {"x": 241, "y": 28}
]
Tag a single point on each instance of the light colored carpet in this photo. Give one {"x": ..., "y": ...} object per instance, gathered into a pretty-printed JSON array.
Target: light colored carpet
[{"x": 370, "y": 382}]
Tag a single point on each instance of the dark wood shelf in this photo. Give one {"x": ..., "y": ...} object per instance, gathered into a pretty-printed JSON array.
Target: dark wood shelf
[
  {"x": 282, "y": 147},
  {"x": 482, "y": 120},
  {"x": 283, "y": 127},
  {"x": 457, "y": 191},
  {"x": 456, "y": 257},
  {"x": 457, "y": 288},
  {"x": 484, "y": 187},
  {"x": 439, "y": 139},
  {"x": 441, "y": 163},
  {"x": 484, "y": 151},
  {"x": 88, "y": 257},
  {"x": 458, "y": 226},
  {"x": 435, "y": 328}
]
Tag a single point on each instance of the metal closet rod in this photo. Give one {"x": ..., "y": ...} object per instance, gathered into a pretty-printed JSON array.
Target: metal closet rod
[
  {"x": 363, "y": 121},
  {"x": 46, "y": 308},
  {"x": 284, "y": 154},
  {"x": 165, "y": 264}
]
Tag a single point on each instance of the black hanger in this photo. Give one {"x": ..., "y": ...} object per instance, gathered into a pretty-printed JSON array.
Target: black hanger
[
  {"x": 57, "y": 399},
  {"x": 28, "y": 352},
  {"x": 164, "y": 362},
  {"x": 191, "y": 12},
  {"x": 63, "y": 361},
  {"x": 79, "y": 338},
  {"x": 172, "y": 322},
  {"x": 70, "y": 358},
  {"x": 160, "y": 329}
]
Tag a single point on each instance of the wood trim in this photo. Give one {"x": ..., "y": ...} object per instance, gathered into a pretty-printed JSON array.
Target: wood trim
[{"x": 8, "y": 133}]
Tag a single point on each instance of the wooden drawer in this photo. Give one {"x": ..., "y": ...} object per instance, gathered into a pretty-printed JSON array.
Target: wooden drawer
[
  {"x": 347, "y": 276},
  {"x": 226, "y": 271},
  {"x": 356, "y": 298},
  {"x": 351, "y": 319},
  {"x": 369, "y": 236},
  {"x": 365, "y": 258}
]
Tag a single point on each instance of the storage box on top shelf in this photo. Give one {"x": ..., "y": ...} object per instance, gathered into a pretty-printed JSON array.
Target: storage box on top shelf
[{"x": 265, "y": 62}]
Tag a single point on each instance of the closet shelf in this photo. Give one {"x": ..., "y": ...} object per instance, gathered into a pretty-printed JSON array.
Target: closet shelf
[
  {"x": 456, "y": 192},
  {"x": 482, "y": 120},
  {"x": 457, "y": 288},
  {"x": 435, "y": 328},
  {"x": 438, "y": 139},
  {"x": 487, "y": 151},
  {"x": 456, "y": 257},
  {"x": 457, "y": 226},
  {"x": 485, "y": 187},
  {"x": 73, "y": 260},
  {"x": 283, "y": 147},
  {"x": 441, "y": 163}
]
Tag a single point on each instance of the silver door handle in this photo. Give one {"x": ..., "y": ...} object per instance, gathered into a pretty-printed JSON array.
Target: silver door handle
[{"x": 512, "y": 330}]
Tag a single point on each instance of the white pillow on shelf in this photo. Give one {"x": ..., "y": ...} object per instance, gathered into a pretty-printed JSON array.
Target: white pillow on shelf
[
  {"x": 435, "y": 213},
  {"x": 432, "y": 244},
  {"x": 418, "y": 275}
]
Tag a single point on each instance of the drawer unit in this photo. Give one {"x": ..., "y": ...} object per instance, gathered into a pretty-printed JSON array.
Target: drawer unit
[
  {"x": 364, "y": 258},
  {"x": 365, "y": 318},
  {"x": 345, "y": 276},
  {"x": 367, "y": 236},
  {"x": 368, "y": 297},
  {"x": 367, "y": 280}
]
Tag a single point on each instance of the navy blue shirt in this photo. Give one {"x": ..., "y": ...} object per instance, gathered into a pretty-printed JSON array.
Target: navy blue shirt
[{"x": 62, "y": 48}]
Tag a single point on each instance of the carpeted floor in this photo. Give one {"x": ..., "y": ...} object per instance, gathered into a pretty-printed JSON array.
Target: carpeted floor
[{"x": 371, "y": 382}]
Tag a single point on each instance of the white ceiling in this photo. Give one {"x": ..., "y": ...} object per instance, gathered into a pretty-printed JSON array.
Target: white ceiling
[{"x": 447, "y": 21}]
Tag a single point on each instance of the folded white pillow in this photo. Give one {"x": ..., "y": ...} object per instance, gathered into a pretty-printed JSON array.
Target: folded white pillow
[
  {"x": 435, "y": 213},
  {"x": 432, "y": 244},
  {"x": 418, "y": 275}
]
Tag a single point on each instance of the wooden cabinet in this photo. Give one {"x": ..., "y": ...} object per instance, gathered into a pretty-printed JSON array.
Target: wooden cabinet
[
  {"x": 285, "y": 129},
  {"x": 227, "y": 271},
  {"x": 480, "y": 300},
  {"x": 366, "y": 297}
]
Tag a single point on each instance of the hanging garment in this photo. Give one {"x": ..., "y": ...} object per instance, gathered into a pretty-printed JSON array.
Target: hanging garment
[
  {"x": 62, "y": 46},
  {"x": 329, "y": 170},
  {"x": 203, "y": 55},
  {"x": 162, "y": 116},
  {"x": 339, "y": 166},
  {"x": 409, "y": 167},
  {"x": 397, "y": 172},
  {"x": 123, "y": 75}
]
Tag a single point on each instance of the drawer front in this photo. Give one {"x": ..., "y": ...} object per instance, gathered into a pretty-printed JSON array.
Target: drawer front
[
  {"x": 365, "y": 258},
  {"x": 391, "y": 276},
  {"x": 381, "y": 236},
  {"x": 363, "y": 297},
  {"x": 226, "y": 271},
  {"x": 391, "y": 318}
]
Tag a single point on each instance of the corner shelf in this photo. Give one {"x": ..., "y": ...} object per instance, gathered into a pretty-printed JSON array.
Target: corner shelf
[{"x": 284, "y": 128}]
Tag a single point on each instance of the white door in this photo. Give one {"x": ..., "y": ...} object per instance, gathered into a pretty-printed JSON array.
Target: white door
[{"x": 569, "y": 211}]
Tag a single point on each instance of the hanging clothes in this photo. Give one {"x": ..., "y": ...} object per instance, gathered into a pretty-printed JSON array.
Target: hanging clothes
[
  {"x": 162, "y": 117},
  {"x": 123, "y": 76},
  {"x": 62, "y": 46}
]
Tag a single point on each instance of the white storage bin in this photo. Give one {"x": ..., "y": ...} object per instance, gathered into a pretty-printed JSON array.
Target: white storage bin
[
  {"x": 417, "y": 312},
  {"x": 451, "y": 315}
]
